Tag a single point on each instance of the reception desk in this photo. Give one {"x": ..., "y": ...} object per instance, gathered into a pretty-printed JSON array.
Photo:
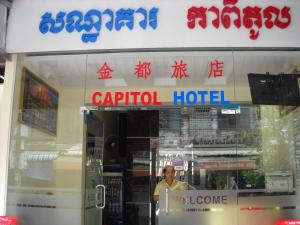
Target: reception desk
[{"x": 225, "y": 207}]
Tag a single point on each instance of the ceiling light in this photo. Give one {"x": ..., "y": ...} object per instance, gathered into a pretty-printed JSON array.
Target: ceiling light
[
  {"x": 164, "y": 82},
  {"x": 115, "y": 82}
]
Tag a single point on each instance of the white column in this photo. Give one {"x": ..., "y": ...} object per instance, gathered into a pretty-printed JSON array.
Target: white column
[{"x": 5, "y": 126}]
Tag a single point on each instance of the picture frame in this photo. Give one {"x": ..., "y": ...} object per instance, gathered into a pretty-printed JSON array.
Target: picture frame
[
  {"x": 38, "y": 103},
  {"x": 285, "y": 110}
]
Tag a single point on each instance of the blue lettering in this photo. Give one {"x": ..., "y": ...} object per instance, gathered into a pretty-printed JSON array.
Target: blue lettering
[
  {"x": 143, "y": 23},
  {"x": 213, "y": 97},
  {"x": 124, "y": 17},
  {"x": 153, "y": 18},
  {"x": 180, "y": 97},
  {"x": 223, "y": 101},
  {"x": 49, "y": 24},
  {"x": 89, "y": 37},
  {"x": 46, "y": 23},
  {"x": 188, "y": 98},
  {"x": 59, "y": 23},
  {"x": 89, "y": 25},
  {"x": 91, "y": 22},
  {"x": 74, "y": 18},
  {"x": 202, "y": 95},
  {"x": 110, "y": 24}
]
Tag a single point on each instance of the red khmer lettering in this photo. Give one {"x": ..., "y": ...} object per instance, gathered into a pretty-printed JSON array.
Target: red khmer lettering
[
  {"x": 271, "y": 12},
  {"x": 251, "y": 17},
  {"x": 215, "y": 22},
  {"x": 230, "y": 2},
  {"x": 195, "y": 14},
  {"x": 226, "y": 19}
]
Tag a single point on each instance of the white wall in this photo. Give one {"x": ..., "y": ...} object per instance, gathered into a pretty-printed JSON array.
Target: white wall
[
  {"x": 1, "y": 91},
  {"x": 2, "y": 26}
]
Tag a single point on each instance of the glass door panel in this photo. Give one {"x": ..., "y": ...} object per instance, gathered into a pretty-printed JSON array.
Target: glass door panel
[{"x": 94, "y": 188}]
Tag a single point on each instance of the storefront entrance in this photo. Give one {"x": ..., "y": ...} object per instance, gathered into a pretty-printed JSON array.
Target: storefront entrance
[
  {"x": 216, "y": 152},
  {"x": 88, "y": 149},
  {"x": 120, "y": 166}
]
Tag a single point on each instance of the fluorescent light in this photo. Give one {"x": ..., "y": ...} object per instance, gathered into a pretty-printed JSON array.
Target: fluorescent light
[
  {"x": 215, "y": 81},
  {"x": 164, "y": 82},
  {"x": 115, "y": 82}
]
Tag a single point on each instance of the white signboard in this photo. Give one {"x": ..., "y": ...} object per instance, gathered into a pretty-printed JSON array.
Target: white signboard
[{"x": 39, "y": 26}]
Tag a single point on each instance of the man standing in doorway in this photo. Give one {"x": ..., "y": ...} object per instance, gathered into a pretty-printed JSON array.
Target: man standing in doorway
[{"x": 169, "y": 182}]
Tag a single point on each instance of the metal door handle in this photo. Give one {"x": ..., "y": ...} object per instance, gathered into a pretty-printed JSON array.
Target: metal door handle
[
  {"x": 99, "y": 206},
  {"x": 167, "y": 201}
]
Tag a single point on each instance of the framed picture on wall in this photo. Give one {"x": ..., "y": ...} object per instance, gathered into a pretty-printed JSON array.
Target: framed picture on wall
[
  {"x": 39, "y": 103},
  {"x": 285, "y": 110}
]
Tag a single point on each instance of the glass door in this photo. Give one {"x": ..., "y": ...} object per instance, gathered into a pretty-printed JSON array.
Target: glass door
[
  {"x": 94, "y": 197},
  {"x": 200, "y": 143}
]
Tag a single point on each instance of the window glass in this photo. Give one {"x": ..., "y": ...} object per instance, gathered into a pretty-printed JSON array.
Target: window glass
[{"x": 45, "y": 164}]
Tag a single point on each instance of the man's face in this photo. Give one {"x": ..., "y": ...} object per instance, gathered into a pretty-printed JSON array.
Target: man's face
[{"x": 170, "y": 173}]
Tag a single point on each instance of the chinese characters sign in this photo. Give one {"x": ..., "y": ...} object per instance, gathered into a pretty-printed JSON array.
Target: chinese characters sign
[
  {"x": 178, "y": 71},
  {"x": 216, "y": 68},
  {"x": 105, "y": 72},
  {"x": 143, "y": 70}
]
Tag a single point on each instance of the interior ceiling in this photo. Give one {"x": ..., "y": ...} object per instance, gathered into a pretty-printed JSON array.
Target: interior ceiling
[{"x": 71, "y": 71}]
